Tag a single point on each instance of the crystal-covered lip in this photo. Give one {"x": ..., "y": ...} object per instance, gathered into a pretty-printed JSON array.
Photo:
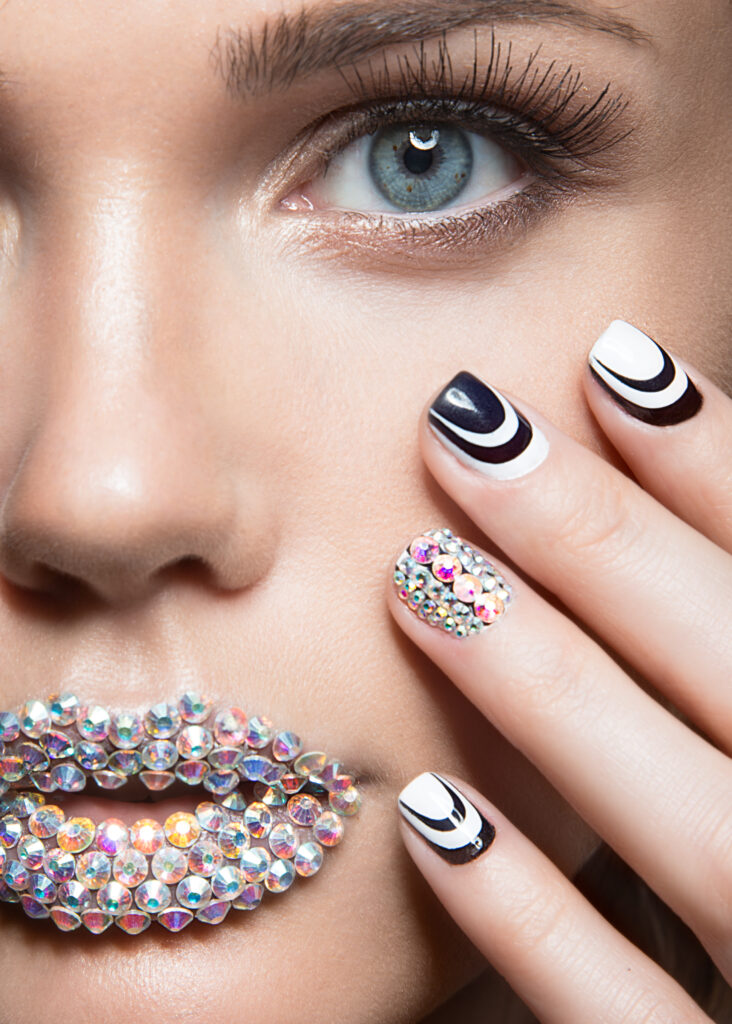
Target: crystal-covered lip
[{"x": 269, "y": 810}]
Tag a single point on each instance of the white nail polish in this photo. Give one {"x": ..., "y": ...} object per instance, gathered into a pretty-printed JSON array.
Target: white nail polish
[
  {"x": 642, "y": 377},
  {"x": 445, "y": 817}
]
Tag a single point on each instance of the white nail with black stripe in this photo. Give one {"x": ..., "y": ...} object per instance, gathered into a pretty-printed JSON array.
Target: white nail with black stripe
[
  {"x": 445, "y": 818},
  {"x": 642, "y": 377},
  {"x": 484, "y": 430}
]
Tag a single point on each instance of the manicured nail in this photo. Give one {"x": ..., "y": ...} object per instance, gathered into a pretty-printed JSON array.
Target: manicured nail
[
  {"x": 484, "y": 430},
  {"x": 444, "y": 816},
  {"x": 448, "y": 584},
  {"x": 642, "y": 377}
]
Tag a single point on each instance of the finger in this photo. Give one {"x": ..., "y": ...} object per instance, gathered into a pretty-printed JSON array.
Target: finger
[
  {"x": 633, "y": 387},
  {"x": 656, "y": 791},
  {"x": 656, "y": 590},
  {"x": 555, "y": 950}
]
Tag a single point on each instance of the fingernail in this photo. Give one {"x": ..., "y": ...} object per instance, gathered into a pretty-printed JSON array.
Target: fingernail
[
  {"x": 448, "y": 584},
  {"x": 642, "y": 377},
  {"x": 445, "y": 818},
  {"x": 484, "y": 430}
]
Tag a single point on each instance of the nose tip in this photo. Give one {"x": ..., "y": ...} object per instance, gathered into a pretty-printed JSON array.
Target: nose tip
[{"x": 110, "y": 509}]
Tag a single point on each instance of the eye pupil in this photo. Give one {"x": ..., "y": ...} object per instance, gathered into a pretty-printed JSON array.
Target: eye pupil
[{"x": 418, "y": 160}]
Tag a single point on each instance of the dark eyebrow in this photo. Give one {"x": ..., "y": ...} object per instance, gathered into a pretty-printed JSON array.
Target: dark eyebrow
[{"x": 293, "y": 45}]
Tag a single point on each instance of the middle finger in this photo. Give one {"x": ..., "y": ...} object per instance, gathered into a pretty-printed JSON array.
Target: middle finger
[{"x": 655, "y": 589}]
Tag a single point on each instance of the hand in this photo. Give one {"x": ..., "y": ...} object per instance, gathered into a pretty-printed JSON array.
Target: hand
[{"x": 646, "y": 567}]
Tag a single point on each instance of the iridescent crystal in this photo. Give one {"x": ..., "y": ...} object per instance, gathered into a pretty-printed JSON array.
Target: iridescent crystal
[
  {"x": 259, "y": 732},
  {"x": 221, "y": 782},
  {"x": 63, "y": 707},
  {"x": 193, "y": 741},
  {"x": 46, "y": 821},
  {"x": 64, "y": 919},
  {"x": 488, "y": 607},
  {"x": 9, "y": 727},
  {"x": 159, "y": 755},
  {"x": 16, "y": 875},
  {"x": 153, "y": 896},
  {"x": 97, "y": 921},
  {"x": 258, "y": 818},
  {"x": 33, "y": 757},
  {"x": 76, "y": 834},
  {"x": 233, "y": 840},
  {"x": 249, "y": 898},
  {"x": 128, "y": 762},
  {"x": 130, "y": 867},
  {"x": 112, "y": 836},
  {"x": 467, "y": 587},
  {"x": 286, "y": 745},
  {"x": 91, "y": 756},
  {"x": 59, "y": 865},
  {"x": 215, "y": 912},
  {"x": 182, "y": 829},
  {"x": 424, "y": 550},
  {"x": 162, "y": 721},
  {"x": 33, "y": 907},
  {"x": 345, "y": 801},
  {"x": 192, "y": 772},
  {"x": 93, "y": 869},
  {"x": 230, "y": 727},
  {"x": 310, "y": 763},
  {"x": 329, "y": 828},
  {"x": 147, "y": 835},
  {"x": 57, "y": 744},
  {"x": 30, "y": 852},
  {"x": 193, "y": 892},
  {"x": 255, "y": 863},
  {"x": 115, "y": 898},
  {"x": 304, "y": 809},
  {"x": 194, "y": 708},
  {"x": 169, "y": 865},
  {"x": 93, "y": 722},
  {"x": 68, "y": 777},
  {"x": 12, "y": 768},
  {"x": 134, "y": 922},
  {"x": 228, "y": 882},
  {"x": 205, "y": 858},
  {"x": 283, "y": 840},
  {"x": 280, "y": 876},
  {"x": 175, "y": 919},
  {"x": 127, "y": 730},
  {"x": 74, "y": 895},
  {"x": 225, "y": 757},
  {"x": 211, "y": 816},
  {"x": 308, "y": 859},
  {"x": 109, "y": 780},
  {"x": 11, "y": 829},
  {"x": 34, "y": 718},
  {"x": 157, "y": 781}
]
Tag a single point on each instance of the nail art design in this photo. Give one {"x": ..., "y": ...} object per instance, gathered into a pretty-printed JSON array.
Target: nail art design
[
  {"x": 448, "y": 584},
  {"x": 445, "y": 817},
  {"x": 642, "y": 377},
  {"x": 484, "y": 430}
]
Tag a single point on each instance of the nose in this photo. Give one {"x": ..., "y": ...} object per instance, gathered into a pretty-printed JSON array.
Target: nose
[{"x": 121, "y": 463}]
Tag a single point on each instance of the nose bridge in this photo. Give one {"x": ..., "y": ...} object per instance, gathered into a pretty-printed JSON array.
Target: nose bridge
[{"x": 120, "y": 476}]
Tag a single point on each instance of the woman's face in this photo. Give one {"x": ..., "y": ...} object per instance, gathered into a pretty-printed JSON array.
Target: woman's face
[{"x": 212, "y": 373}]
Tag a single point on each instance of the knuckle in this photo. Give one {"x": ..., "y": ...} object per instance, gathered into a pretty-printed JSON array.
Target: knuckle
[
  {"x": 539, "y": 914},
  {"x": 598, "y": 521},
  {"x": 553, "y": 683},
  {"x": 716, "y": 870}
]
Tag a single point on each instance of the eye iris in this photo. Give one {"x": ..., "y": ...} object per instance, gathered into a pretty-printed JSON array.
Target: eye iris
[{"x": 418, "y": 168}]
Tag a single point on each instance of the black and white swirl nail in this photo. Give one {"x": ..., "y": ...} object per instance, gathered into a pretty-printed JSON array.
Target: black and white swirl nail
[
  {"x": 484, "y": 430},
  {"x": 443, "y": 816},
  {"x": 642, "y": 377}
]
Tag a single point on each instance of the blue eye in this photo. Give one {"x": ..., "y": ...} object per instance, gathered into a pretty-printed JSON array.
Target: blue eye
[
  {"x": 420, "y": 169},
  {"x": 412, "y": 168}
]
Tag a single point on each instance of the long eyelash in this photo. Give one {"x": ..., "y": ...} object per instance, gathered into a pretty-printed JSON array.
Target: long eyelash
[{"x": 544, "y": 98}]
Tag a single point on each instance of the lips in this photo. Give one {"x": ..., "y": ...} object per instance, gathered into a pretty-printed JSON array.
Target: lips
[{"x": 267, "y": 812}]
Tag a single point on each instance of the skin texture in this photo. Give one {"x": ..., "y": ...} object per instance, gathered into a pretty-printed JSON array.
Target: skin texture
[{"x": 209, "y": 457}]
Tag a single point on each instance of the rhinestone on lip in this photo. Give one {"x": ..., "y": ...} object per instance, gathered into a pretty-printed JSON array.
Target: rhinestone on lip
[
  {"x": 450, "y": 585},
  {"x": 224, "y": 857}
]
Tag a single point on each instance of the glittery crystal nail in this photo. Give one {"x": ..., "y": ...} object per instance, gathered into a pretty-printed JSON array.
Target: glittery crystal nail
[{"x": 450, "y": 585}]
